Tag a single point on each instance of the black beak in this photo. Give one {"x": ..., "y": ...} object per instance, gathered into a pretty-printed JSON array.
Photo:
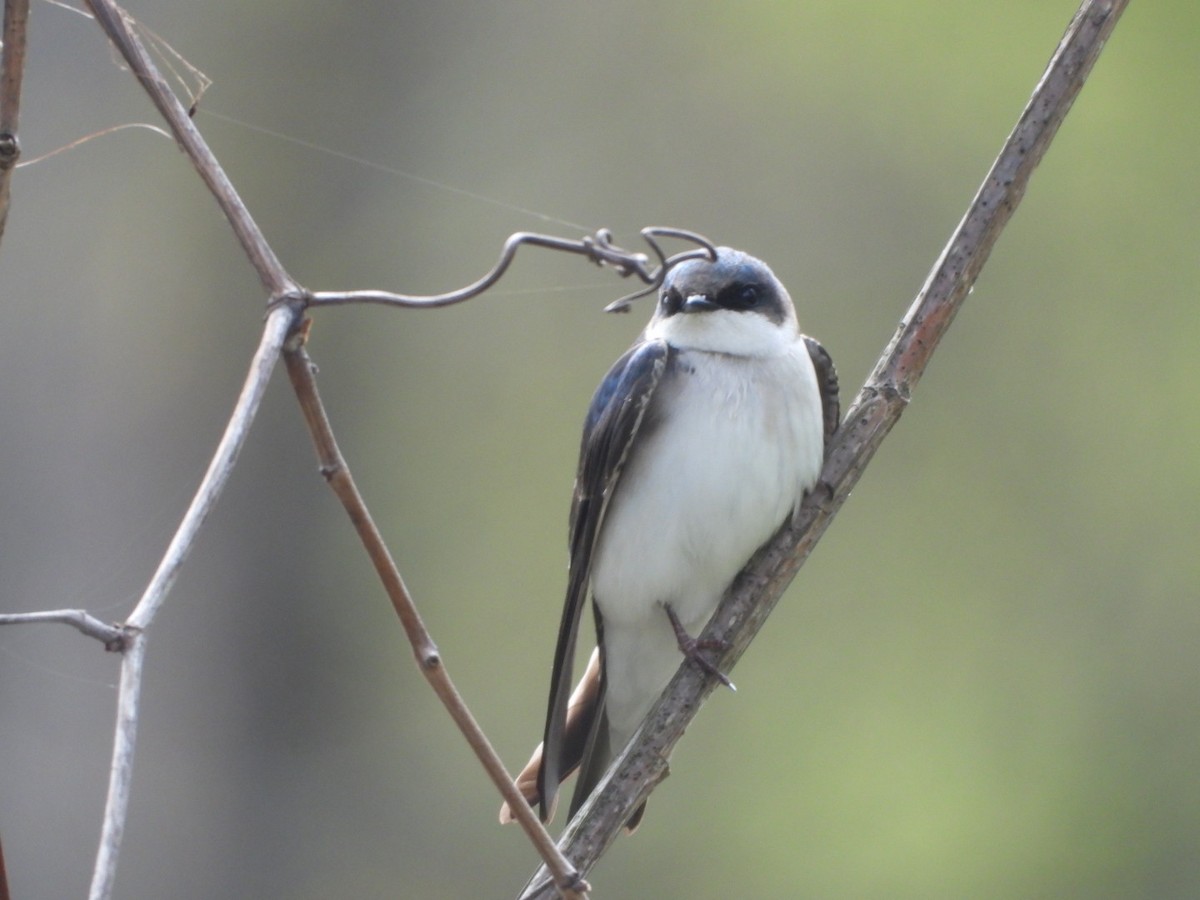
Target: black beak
[{"x": 697, "y": 303}]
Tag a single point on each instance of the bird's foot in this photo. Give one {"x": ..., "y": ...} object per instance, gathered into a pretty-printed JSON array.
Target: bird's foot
[{"x": 694, "y": 649}]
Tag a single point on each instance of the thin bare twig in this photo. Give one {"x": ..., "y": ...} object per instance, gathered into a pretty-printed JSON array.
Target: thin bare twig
[
  {"x": 117, "y": 24},
  {"x": 567, "y": 880},
  {"x": 876, "y": 409},
  {"x": 112, "y": 636},
  {"x": 134, "y": 631},
  {"x": 120, "y": 777},
  {"x": 12, "y": 70},
  {"x": 279, "y": 324},
  {"x": 599, "y": 248}
]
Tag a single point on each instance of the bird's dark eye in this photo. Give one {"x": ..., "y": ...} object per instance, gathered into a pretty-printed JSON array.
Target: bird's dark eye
[
  {"x": 748, "y": 296},
  {"x": 671, "y": 301}
]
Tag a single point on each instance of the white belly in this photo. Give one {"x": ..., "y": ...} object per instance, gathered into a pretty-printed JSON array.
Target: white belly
[{"x": 739, "y": 443}]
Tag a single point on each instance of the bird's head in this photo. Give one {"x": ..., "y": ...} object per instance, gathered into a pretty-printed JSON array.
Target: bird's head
[{"x": 732, "y": 305}]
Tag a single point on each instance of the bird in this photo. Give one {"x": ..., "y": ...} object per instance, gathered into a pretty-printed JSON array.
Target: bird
[{"x": 699, "y": 443}]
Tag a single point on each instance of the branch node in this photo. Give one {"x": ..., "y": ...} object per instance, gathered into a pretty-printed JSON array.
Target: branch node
[
  {"x": 430, "y": 659},
  {"x": 10, "y": 150},
  {"x": 888, "y": 391},
  {"x": 298, "y": 338},
  {"x": 124, "y": 637},
  {"x": 899, "y": 393},
  {"x": 824, "y": 496},
  {"x": 574, "y": 883},
  {"x": 295, "y": 298}
]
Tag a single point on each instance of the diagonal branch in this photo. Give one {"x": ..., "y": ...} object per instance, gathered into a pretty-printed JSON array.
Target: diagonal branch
[
  {"x": 876, "y": 409},
  {"x": 279, "y": 324},
  {"x": 117, "y": 24},
  {"x": 569, "y": 883}
]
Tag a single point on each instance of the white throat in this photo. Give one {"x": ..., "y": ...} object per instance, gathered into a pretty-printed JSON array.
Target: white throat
[{"x": 725, "y": 331}]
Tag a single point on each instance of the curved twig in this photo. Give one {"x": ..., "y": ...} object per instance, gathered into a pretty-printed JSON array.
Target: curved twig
[{"x": 599, "y": 248}]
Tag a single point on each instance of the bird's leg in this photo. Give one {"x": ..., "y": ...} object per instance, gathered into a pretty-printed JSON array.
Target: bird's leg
[{"x": 691, "y": 648}]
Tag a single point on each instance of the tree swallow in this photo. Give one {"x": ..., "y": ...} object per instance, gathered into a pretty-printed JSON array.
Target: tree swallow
[{"x": 699, "y": 443}]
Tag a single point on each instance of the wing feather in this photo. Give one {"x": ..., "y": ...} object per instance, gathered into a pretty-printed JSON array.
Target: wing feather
[
  {"x": 827, "y": 384},
  {"x": 617, "y": 413}
]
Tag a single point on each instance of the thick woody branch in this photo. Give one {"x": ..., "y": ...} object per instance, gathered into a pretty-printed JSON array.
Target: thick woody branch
[{"x": 875, "y": 410}]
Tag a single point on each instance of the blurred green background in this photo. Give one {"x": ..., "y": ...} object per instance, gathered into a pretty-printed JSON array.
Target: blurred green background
[{"x": 985, "y": 682}]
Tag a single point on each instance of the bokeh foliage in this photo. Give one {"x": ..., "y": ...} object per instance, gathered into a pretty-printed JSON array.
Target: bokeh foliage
[{"x": 984, "y": 682}]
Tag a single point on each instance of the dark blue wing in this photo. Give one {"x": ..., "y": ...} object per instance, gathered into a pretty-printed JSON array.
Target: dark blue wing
[
  {"x": 619, "y": 410},
  {"x": 827, "y": 383}
]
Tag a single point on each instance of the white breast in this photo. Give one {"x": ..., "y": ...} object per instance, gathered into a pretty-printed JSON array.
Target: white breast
[{"x": 739, "y": 442}]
